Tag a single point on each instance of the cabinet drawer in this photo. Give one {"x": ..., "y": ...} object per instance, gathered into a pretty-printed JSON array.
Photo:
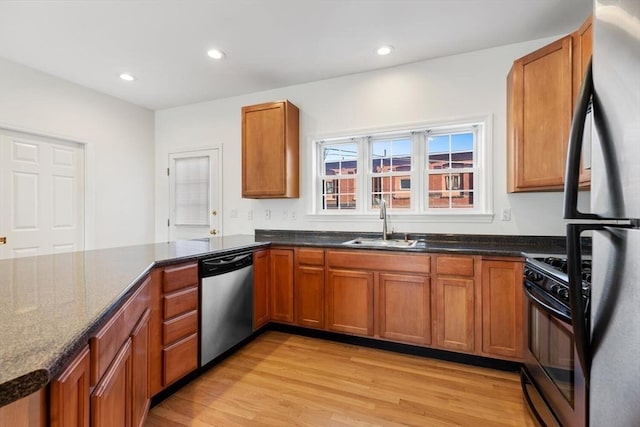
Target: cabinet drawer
[
  {"x": 179, "y": 327},
  {"x": 180, "y": 302},
  {"x": 454, "y": 265},
  {"x": 106, "y": 343},
  {"x": 183, "y": 276},
  {"x": 310, "y": 256},
  {"x": 180, "y": 359}
]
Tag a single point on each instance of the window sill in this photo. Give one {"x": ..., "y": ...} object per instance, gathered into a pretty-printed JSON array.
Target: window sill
[{"x": 471, "y": 217}]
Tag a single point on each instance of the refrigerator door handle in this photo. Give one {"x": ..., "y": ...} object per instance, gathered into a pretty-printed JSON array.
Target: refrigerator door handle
[
  {"x": 580, "y": 316},
  {"x": 576, "y": 134}
]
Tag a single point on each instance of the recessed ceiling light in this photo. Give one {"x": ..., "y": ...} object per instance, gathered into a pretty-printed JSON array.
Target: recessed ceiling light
[
  {"x": 215, "y": 53},
  {"x": 384, "y": 50},
  {"x": 127, "y": 77}
]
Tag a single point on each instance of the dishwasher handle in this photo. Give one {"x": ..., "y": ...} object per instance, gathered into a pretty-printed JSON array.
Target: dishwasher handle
[{"x": 224, "y": 264}]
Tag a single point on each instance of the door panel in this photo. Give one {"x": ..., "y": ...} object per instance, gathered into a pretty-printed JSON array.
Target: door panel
[
  {"x": 195, "y": 202},
  {"x": 42, "y": 193}
]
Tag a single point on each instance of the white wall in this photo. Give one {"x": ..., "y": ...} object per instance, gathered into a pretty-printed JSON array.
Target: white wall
[
  {"x": 119, "y": 148},
  {"x": 464, "y": 85}
]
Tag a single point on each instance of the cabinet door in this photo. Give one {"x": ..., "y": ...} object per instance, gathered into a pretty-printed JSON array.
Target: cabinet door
[
  {"x": 582, "y": 49},
  {"x": 350, "y": 302},
  {"x": 309, "y": 292},
  {"x": 69, "y": 397},
  {"x": 502, "y": 308},
  {"x": 260, "y": 288},
  {"x": 281, "y": 284},
  {"x": 270, "y": 134},
  {"x": 454, "y": 314},
  {"x": 404, "y": 308},
  {"x": 111, "y": 399},
  {"x": 140, "y": 371},
  {"x": 539, "y": 109}
]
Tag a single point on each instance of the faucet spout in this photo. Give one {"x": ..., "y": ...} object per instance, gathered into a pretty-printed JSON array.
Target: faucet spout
[{"x": 383, "y": 216}]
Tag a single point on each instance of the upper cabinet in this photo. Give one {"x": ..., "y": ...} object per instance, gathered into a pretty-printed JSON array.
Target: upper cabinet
[
  {"x": 541, "y": 90},
  {"x": 270, "y": 134}
]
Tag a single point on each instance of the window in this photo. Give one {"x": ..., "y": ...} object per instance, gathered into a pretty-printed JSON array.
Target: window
[
  {"x": 339, "y": 175},
  {"x": 434, "y": 170}
]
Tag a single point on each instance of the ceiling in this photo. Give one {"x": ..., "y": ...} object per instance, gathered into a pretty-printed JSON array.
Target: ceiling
[{"x": 268, "y": 43}]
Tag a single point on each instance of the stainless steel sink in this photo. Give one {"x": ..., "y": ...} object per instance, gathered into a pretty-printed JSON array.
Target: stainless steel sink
[{"x": 380, "y": 243}]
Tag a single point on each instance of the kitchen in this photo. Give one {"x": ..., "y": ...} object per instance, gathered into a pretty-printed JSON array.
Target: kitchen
[{"x": 463, "y": 85}]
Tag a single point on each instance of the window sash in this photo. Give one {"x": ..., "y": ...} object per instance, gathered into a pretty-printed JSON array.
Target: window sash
[{"x": 418, "y": 174}]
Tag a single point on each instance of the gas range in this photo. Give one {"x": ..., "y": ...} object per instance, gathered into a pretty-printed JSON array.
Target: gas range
[{"x": 548, "y": 272}]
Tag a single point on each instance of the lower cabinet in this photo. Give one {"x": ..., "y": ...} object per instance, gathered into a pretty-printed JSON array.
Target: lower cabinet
[
  {"x": 350, "y": 302},
  {"x": 454, "y": 321},
  {"x": 140, "y": 395},
  {"x": 309, "y": 296},
  {"x": 502, "y": 313},
  {"x": 404, "y": 308},
  {"x": 309, "y": 291},
  {"x": 261, "y": 303},
  {"x": 69, "y": 394},
  {"x": 281, "y": 285},
  {"x": 111, "y": 399}
]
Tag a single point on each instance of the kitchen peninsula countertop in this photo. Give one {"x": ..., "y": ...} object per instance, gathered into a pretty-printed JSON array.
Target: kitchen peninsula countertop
[{"x": 51, "y": 304}]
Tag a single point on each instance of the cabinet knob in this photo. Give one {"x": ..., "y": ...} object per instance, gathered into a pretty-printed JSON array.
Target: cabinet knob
[
  {"x": 213, "y": 231},
  {"x": 3, "y": 240},
  {"x": 214, "y": 212}
]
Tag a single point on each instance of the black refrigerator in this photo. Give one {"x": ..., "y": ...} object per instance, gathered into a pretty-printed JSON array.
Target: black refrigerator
[{"x": 605, "y": 136}]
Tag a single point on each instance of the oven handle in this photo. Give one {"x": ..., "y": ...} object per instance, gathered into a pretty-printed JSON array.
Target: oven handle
[{"x": 544, "y": 306}]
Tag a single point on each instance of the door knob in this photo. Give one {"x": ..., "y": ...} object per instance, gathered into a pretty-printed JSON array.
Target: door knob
[
  {"x": 213, "y": 231},
  {"x": 3, "y": 240}
]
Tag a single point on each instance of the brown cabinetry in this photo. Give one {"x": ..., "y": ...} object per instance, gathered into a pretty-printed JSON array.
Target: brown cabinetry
[
  {"x": 281, "y": 285},
  {"x": 270, "y": 135},
  {"x": 404, "y": 308},
  {"x": 261, "y": 301},
  {"x": 541, "y": 88},
  {"x": 309, "y": 288},
  {"x": 502, "y": 313},
  {"x": 119, "y": 364},
  {"x": 455, "y": 302},
  {"x": 379, "y": 294},
  {"x": 111, "y": 399},
  {"x": 179, "y": 344},
  {"x": 69, "y": 394},
  {"x": 350, "y": 301}
]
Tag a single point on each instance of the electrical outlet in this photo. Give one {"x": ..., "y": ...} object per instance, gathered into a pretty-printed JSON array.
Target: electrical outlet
[
  {"x": 250, "y": 215},
  {"x": 285, "y": 215},
  {"x": 506, "y": 214},
  {"x": 293, "y": 215},
  {"x": 234, "y": 213},
  {"x": 267, "y": 214}
]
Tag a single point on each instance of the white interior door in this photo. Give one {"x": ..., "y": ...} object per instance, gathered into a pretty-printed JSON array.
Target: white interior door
[
  {"x": 41, "y": 195},
  {"x": 195, "y": 194}
]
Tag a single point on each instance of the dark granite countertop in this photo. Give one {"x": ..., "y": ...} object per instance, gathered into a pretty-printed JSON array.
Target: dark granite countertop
[
  {"x": 50, "y": 305},
  {"x": 468, "y": 244}
]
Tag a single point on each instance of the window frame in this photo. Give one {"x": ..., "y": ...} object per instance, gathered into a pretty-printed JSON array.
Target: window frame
[{"x": 419, "y": 211}]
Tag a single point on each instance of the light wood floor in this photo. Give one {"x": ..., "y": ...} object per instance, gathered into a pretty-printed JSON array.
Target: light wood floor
[{"x": 288, "y": 380}]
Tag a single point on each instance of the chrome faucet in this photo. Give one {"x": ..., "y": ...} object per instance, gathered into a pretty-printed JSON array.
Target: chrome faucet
[{"x": 383, "y": 216}]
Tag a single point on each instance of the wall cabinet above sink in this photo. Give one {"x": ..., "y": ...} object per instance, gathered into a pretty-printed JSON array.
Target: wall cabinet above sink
[{"x": 270, "y": 150}]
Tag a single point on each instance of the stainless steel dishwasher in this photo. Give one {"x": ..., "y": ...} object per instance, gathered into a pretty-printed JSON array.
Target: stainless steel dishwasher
[{"x": 226, "y": 303}]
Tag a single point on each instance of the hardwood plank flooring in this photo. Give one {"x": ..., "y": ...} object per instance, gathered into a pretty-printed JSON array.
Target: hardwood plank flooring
[{"x": 289, "y": 380}]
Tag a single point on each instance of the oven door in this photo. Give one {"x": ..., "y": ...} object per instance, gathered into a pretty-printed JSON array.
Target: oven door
[{"x": 551, "y": 365}]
